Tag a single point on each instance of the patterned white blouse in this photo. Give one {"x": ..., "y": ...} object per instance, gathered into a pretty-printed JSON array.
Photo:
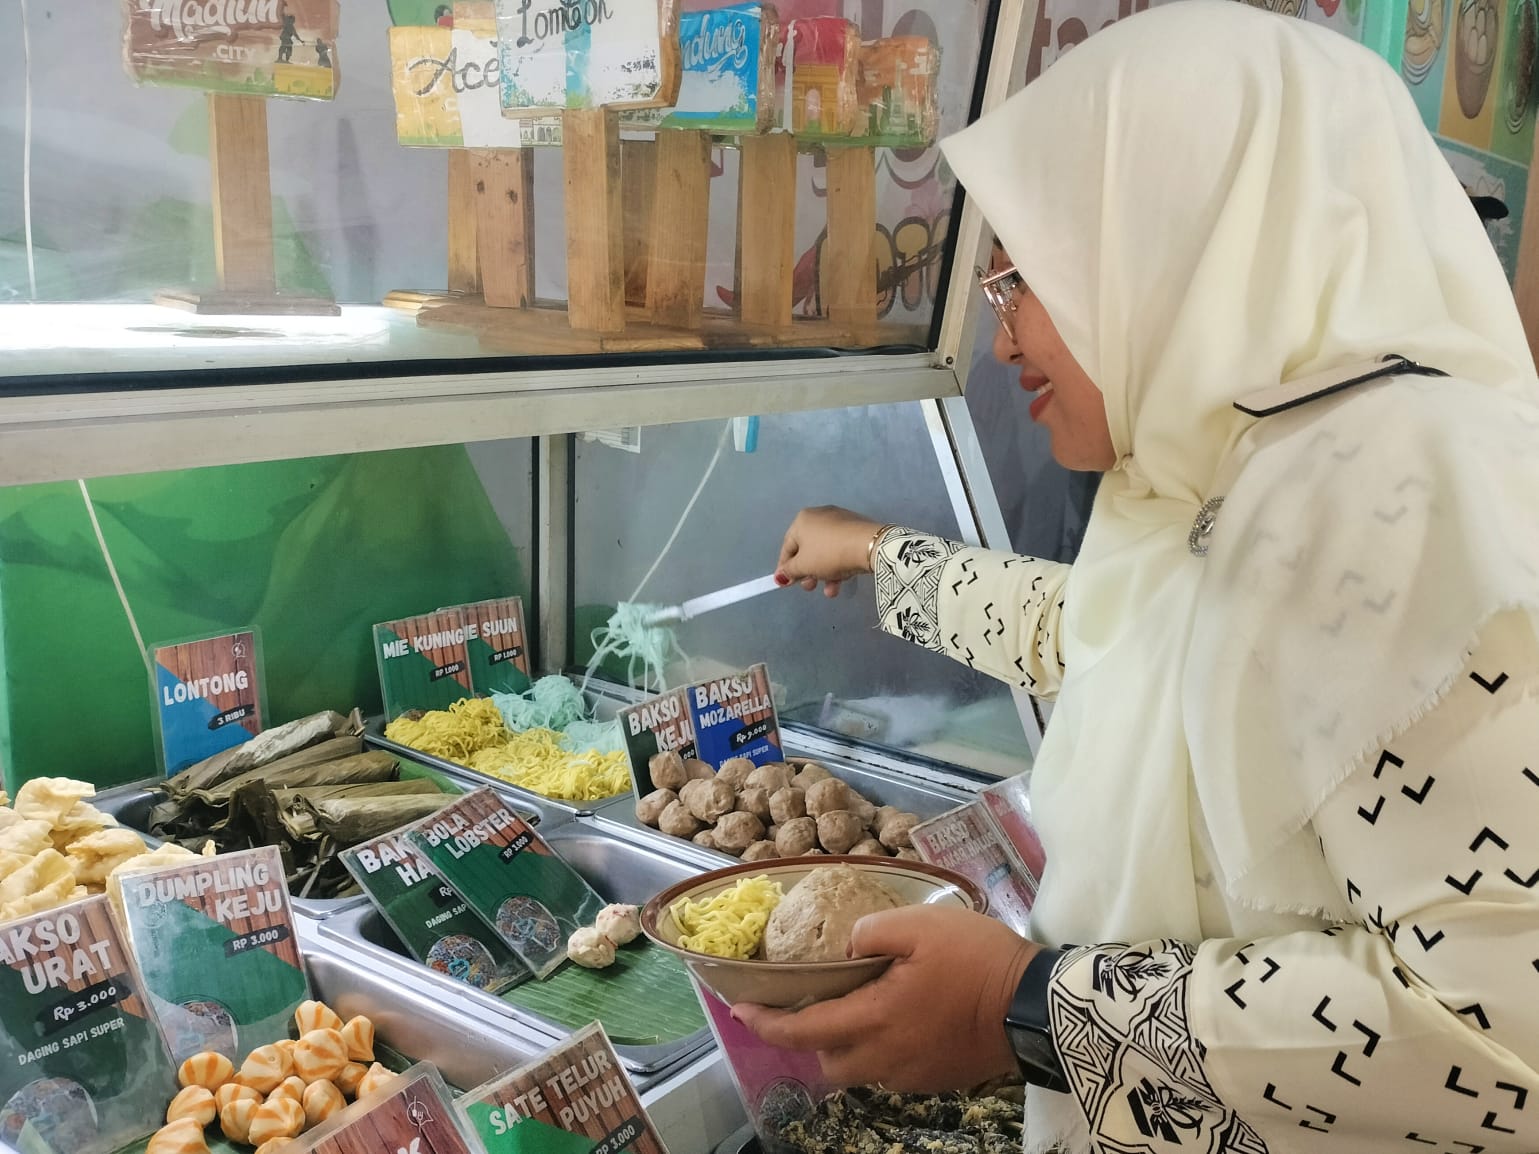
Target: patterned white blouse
[{"x": 1413, "y": 1028}]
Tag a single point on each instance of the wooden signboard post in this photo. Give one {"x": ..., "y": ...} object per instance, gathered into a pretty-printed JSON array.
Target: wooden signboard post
[{"x": 239, "y": 54}]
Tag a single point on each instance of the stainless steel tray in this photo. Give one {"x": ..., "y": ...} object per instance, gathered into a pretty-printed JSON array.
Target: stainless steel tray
[
  {"x": 422, "y": 1024},
  {"x": 374, "y": 736},
  {"x": 621, "y": 867},
  {"x": 743, "y": 1140},
  {"x": 131, "y": 805},
  {"x": 927, "y": 798}
]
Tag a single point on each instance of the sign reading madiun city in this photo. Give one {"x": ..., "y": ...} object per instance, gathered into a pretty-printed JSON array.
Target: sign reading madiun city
[{"x": 249, "y": 47}]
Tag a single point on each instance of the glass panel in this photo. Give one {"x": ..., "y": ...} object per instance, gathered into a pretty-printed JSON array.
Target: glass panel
[
  {"x": 385, "y": 243},
  {"x": 833, "y": 667},
  {"x": 1045, "y": 506},
  {"x": 311, "y": 552}
]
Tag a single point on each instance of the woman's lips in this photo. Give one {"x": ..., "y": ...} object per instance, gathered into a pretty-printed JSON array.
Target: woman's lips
[{"x": 1044, "y": 390}]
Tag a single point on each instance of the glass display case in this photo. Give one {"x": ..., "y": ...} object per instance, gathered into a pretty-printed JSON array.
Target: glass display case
[{"x": 205, "y": 192}]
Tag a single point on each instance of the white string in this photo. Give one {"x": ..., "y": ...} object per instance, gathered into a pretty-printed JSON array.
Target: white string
[
  {"x": 113, "y": 572},
  {"x": 721, "y": 445},
  {"x": 26, "y": 153}
]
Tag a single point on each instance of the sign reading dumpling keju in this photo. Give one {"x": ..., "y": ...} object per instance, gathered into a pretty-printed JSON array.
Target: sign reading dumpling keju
[{"x": 243, "y": 47}]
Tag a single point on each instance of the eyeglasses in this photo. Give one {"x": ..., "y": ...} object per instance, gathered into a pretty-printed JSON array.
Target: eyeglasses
[{"x": 999, "y": 289}]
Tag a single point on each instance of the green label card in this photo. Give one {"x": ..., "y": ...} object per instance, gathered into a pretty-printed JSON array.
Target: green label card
[
  {"x": 80, "y": 1054},
  {"x": 509, "y": 876},
  {"x": 499, "y": 650},
  {"x": 215, "y": 943},
  {"x": 410, "y": 1115},
  {"x": 573, "y": 1099},
  {"x": 429, "y": 917},
  {"x": 424, "y": 662}
]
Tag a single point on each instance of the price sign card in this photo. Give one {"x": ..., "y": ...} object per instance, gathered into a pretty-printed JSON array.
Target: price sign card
[
  {"x": 715, "y": 720},
  {"x": 424, "y": 662},
  {"x": 80, "y": 1053},
  {"x": 255, "y": 47},
  {"x": 1009, "y": 804},
  {"x": 582, "y": 54},
  {"x": 967, "y": 842},
  {"x": 573, "y": 1099},
  {"x": 508, "y": 876},
  {"x": 429, "y": 917},
  {"x": 778, "y": 1087},
  {"x": 411, "y": 1114},
  {"x": 215, "y": 944},
  {"x": 208, "y": 697},
  {"x": 498, "y": 647}
]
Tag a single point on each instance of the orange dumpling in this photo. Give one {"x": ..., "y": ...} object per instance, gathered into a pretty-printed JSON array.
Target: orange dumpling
[
  {"x": 195, "y": 1103},
  {"x": 209, "y": 1069},
  {"x": 276, "y": 1118},
  {"x": 316, "y": 1016},
  {"x": 320, "y": 1055},
  {"x": 266, "y": 1067},
  {"x": 184, "y": 1136},
  {"x": 358, "y": 1033},
  {"x": 321, "y": 1101}
]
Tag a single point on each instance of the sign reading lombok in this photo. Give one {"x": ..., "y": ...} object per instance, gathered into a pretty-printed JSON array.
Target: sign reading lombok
[
  {"x": 251, "y": 47},
  {"x": 586, "y": 54}
]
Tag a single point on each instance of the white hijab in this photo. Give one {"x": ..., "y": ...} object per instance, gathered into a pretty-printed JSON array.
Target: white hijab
[{"x": 1209, "y": 200}]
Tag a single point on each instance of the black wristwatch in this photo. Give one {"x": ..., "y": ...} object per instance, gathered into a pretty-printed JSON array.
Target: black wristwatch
[{"x": 1027, "y": 1026}]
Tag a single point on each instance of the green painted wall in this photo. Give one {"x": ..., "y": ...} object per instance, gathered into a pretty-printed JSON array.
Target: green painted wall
[{"x": 312, "y": 552}]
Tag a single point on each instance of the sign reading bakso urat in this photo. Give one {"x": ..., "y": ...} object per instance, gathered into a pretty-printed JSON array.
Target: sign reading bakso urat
[{"x": 249, "y": 47}]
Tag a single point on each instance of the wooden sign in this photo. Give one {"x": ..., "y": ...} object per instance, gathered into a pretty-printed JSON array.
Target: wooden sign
[
  {"x": 424, "y": 662},
  {"x": 432, "y": 920},
  {"x": 497, "y": 645},
  {"x": 208, "y": 697},
  {"x": 573, "y": 1099},
  {"x": 448, "y": 86},
  {"x": 410, "y": 1115},
  {"x": 565, "y": 55},
  {"x": 728, "y": 57},
  {"x": 244, "y": 47},
  {"x": 822, "y": 77},
  {"x": 899, "y": 92},
  {"x": 215, "y": 943},
  {"x": 508, "y": 876},
  {"x": 80, "y": 1053}
]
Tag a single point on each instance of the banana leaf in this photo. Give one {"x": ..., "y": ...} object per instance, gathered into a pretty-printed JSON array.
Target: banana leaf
[
  {"x": 374, "y": 765},
  {"x": 348, "y": 821},
  {"x": 266, "y": 747}
]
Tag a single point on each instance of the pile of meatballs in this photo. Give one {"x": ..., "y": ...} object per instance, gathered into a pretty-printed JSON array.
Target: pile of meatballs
[{"x": 769, "y": 811}]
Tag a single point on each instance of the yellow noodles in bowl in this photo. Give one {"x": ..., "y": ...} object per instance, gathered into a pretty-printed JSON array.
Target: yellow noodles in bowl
[{"x": 729, "y": 924}]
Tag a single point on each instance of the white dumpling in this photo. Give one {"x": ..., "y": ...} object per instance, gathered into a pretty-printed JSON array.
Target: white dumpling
[
  {"x": 620, "y": 924},
  {"x": 590, "y": 949}
]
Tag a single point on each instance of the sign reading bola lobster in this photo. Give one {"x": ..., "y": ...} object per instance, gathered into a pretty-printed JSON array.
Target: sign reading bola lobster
[{"x": 245, "y": 47}]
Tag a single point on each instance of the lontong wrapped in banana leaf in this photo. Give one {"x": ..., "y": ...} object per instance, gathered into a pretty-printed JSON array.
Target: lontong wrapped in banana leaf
[
  {"x": 272, "y": 745},
  {"x": 308, "y": 789}
]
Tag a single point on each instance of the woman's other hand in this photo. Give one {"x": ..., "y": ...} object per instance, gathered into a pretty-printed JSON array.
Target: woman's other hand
[
  {"x": 934, "y": 1021},
  {"x": 826, "y": 544}
]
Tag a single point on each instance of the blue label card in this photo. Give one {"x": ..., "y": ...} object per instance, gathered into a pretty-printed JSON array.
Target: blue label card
[{"x": 208, "y": 697}]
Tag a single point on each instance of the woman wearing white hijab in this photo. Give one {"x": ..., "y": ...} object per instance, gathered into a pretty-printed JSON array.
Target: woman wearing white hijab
[{"x": 1294, "y": 765}]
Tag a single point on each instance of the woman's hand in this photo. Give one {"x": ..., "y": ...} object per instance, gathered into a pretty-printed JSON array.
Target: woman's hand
[
  {"x": 826, "y": 544},
  {"x": 934, "y": 1021}
]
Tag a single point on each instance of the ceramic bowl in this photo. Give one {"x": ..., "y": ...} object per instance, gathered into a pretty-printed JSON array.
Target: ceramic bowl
[{"x": 792, "y": 985}]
